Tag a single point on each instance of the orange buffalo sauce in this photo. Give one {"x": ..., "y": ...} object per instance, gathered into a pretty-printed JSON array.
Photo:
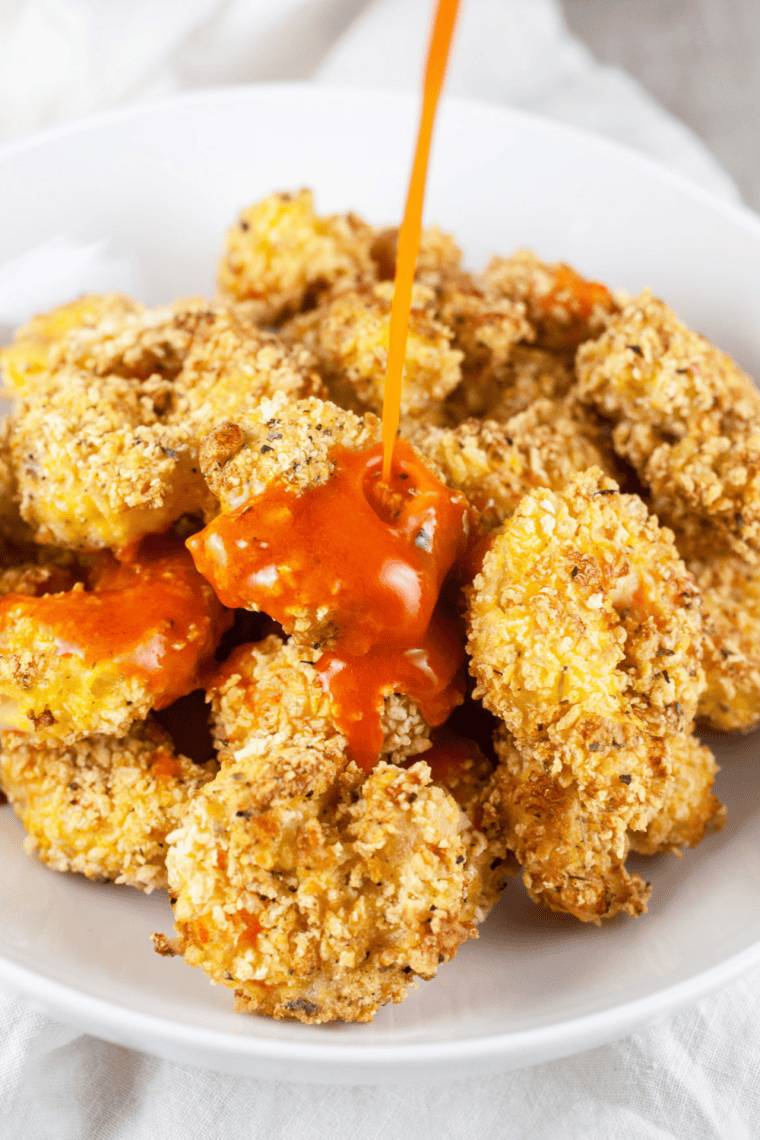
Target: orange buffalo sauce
[
  {"x": 366, "y": 559},
  {"x": 154, "y": 617},
  {"x": 357, "y": 685},
  {"x": 411, "y": 227}
]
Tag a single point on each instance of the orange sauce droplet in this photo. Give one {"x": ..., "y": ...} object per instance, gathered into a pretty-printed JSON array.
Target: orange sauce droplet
[
  {"x": 409, "y": 235},
  {"x": 155, "y": 618}
]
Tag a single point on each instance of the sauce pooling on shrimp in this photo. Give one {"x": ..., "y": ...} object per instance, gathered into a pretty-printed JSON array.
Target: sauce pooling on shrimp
[
  {"x": 377, "y": 557},
  {"x": 154, "y": 617}
]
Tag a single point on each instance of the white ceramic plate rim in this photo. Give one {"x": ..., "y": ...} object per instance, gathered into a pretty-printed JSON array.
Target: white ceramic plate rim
[{"x": 113, "y": 1020}]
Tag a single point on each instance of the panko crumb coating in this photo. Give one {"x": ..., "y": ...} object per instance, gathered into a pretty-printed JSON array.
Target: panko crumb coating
[
  {"x": 563, "y": 308},
  {"x": 280, "y": 442},
  {"x": 686, "y": 417},
  {"x": 494, "y": 464},
  {"x": 281, "y": 256},
  {"x": 730, "y": 591},
  {"x": 16, "y": 542},
  {"x": 313, "y": 889},
  {"x": 528, "y": 374},
  {"x": 439, "y": 257},
  {"x": 105, "y": 443},
  {"x": 348, "y": 336},
  {"x": 95, "y": 660},
  {"x": 27, "y": 357},
  {"x": 586, "y": 640},
  {"x": 691, "y": 808},
  {"x": 101, "y": 807}
]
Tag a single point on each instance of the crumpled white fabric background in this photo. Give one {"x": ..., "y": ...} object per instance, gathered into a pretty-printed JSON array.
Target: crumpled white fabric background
[{"x": 695, "y": 1075}]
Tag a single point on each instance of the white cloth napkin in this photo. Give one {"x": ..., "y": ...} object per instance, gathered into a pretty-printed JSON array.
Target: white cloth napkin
[{"x": 696, "y": 1075}]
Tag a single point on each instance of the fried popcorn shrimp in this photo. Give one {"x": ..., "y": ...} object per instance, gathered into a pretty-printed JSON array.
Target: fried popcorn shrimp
[
  {"x": 281, "y": 256},
  {"x": 563, "y": 308},
  {"x": 99, "y": 656},
  {"x": 494, "y": 464},
  {"x": 586, "y": 640},
  {"x": 438, "y": 260},
  {"x": 24, "y": 360},
  {"x": 690, "y": 808},
  {"x": 102, "y": 806},
  {"x": 529, "y": 374},
  {"x": 686, "y": 417},
  {"x": 730, "y": 591},
  {"x": 15, "y": 536},
  {"x": 316, "y": 890},
  {"x": 106, "y": 442},
  {"x": 349, "y": 338}
]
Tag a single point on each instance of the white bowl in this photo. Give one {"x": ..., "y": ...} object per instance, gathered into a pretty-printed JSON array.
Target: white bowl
[{"x": 161, "y": 183}]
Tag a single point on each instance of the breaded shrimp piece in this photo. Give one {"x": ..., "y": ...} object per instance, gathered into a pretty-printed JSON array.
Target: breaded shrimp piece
[
  {"x": 106, "y": 443},
  {"x": 27, "y": 358},
  {"x": 438, "y": 261},
  {"x": 95, "y": 659},
  {"x": 494, "y": 464},
  {"x": 280, "y": 256},
  {"x": 313, "y": 889},
  {"x": 586, "y": 640},
  {"x": 691, "y": 807},
  {"x": 563, "y": 308},
  {"x": 686, "y": 417},
  {"x": 730, "y": 591},
  {"x": 103, "y": 806},
  {"x": 246, "y": 697},
  {"x": 311, "y": 536},
  {"x": 568, "y": 829},
  {"x": 527, "y": 375},
  {"x": 348, "y": 335},
  {"x": 15, "y": 535}
]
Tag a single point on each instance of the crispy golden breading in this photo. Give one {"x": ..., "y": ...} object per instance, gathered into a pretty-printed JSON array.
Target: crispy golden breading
[
  {"x": 690, "y": 807},
  {"x": 101, "y": 807},
  {"x": 15, "y": 535},
  {"x": 438, "y": 261},
  {"x": 563, "y": 308},
  {"x": 95, "y": 660},
  {"x": 105, "y": 444},
  {"x": 586, "y": 639},
  {"x": 313, "y": 889},
  {"x": 280, "y": 256},
  {"x": 730, "y": 591},
  {"x": 279, "y": 441},
  {"x": 348, "y": 335},
  {"x": 686, "y": 417},
  {"x": 494, "y": 464},
  {"x": 246, "y": 696},
  {"x": 568, "y": 827},
  {"x": 27, "y": 358}
]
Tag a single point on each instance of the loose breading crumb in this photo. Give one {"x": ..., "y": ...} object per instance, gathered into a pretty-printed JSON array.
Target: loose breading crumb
[
  {"x": 103, "y": 806},
  {"x": 685, "y": 416},
  {"x": 313, "y": 889},
  {"x": 348, "y": 335},
  {"x": 495, "y": 464},
  {"x": 281, "y": 256},
  {"x": 586, "y": 639}
]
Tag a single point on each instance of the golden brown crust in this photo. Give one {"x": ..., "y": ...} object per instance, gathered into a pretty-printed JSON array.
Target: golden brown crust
[
  {"x": 314, "y": 890},
  {"x": 281, "y": 256},
  {"x": 686, "y": 417},
  {"x": 585, "y": 638},
  {"x": 495, "y": 464},
  {"x": 690, "y": 807},
  {"x": 101, "y": 807},
  {"x": 348, "y": 336},
  {"x": 528, "y": 374},
  {"x": 280, "y": 442},
  {"x": 562, "y": 307},
  {"x": 730, "y": 591}
]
